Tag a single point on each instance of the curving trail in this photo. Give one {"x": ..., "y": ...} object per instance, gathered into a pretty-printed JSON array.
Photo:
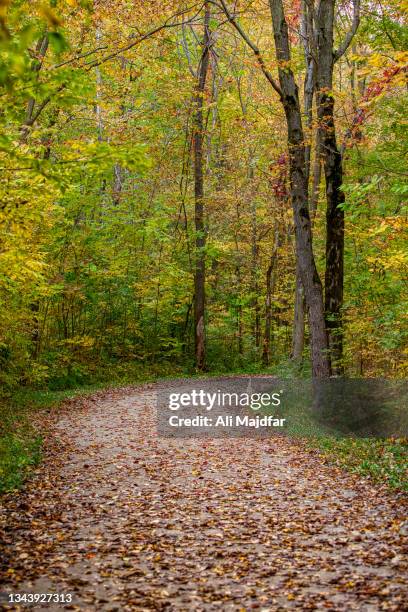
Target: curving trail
[{"x": 125, "y": 520}]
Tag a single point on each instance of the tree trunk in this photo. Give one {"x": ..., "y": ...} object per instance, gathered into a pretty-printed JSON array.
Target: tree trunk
[
  {"x": 333, "y": 170},
  {"x": 270, "y": 288},
  {"x": 117, "y": 187},
  {"x": 317, "y": 172},
  {"x": 98, "y": 108},
  {"x": 298, "y": 336},
  {"x": 254, "y": 273},
  {"x": 32, "y": 112},
  {"x": 298, "y": 333},
  {"x": 299, "y": 196},
  {"x": 200, "y": 241},
  {"x": 240, "y": 327}
]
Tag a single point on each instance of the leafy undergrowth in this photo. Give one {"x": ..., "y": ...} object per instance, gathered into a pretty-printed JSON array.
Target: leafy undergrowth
[
  {"x": 20, "y": 435},
  {"x": 382, "y": 460},
  {"x": 20, "y": 450}
]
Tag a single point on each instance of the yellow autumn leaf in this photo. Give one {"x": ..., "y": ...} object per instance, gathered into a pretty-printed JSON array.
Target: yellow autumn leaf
[{"x": 50, "y": 16}]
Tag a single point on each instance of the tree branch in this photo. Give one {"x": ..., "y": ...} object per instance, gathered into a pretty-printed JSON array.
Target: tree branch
[
  {"x": 350, "y": 35},
  {"x": 231, "y": 18},
  {"x": 184, "y": 46},
  {"x": 34, "y": 116},
  {"x": 163, "y": 26},
  {"x": 79, "y": 56}
]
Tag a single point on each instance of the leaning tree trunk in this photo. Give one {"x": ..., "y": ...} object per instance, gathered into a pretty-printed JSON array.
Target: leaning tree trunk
[
  {"x": 333, "y": 170},
  {"x": 198, "y": 145},
  {"x": 299, "y": 196},
  {"x": 298, "y": 334}
]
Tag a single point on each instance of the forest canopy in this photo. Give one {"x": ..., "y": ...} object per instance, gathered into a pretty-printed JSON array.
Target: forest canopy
[{"x": 208, "y": 185}]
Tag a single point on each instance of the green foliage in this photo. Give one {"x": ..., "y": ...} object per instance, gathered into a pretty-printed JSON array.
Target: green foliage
[
  {"x": 18, "y": 454},
  {"x": 20, "y": 446},
  {"x": 376, "y": 257},
  {"x": 97, "y": 240},
  {"x": 382, "y": 460}
]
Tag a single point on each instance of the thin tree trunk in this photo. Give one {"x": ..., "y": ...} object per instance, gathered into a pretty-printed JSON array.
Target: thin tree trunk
[
  {"x": 270, "y": 288},
  {"x": 198, "y": 144},
  {"x": 30, "y": 118},
  {"x": 98, "y": 108},
  {"x": 298, "y": 335},
  {"x": 240, "y": 327},
  {"x": 118, "y": 173},
  {"x": 239, "y": 312},
  {"x": 317, "y": 172},
  {"x": 254, "y": 273},
  {"x": 32, "y": 112}
]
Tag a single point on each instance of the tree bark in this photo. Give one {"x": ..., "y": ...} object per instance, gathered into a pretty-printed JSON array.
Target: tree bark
[
  {"x": 254, "y": 274},
  {"x": 298, "y": 333},
  {"x": 317, "y": 172},
  {"x": 33, "y": 112},
  {"x": 270, "y": 288},
  {"x": 238, "y": 275},
  {"x": 298, "y": 336},
  {"x": 200, "y": 241},
  {"x": 299, "y": 195},
  {"x": 333, "y": 170},
  {"x": 99, "y": 83}
]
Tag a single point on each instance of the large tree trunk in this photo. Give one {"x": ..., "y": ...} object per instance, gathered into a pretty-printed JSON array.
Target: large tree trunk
[
  {"x": 298, "y": 333},
  {"x": 299, "y": 195},
  {"x": 198, "y": 144},
  {"x": 332, "y": 161}
]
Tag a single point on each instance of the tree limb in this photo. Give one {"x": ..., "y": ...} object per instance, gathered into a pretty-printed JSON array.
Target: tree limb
[
  {"x": 163, "y": 26},
  {"x": 231, "y": 18},
  {"x": 79, "y": 56},
  {"x": 35, "y": 115},
  {"x": 350, "y": 35}
]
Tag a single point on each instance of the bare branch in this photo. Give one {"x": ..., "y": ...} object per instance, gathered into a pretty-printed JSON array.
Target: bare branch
[
  {"x": 350, "y": 35},
  {"x": 184, "y": 46},
  {"x": 167, "y": 24},
  {"x": 231, "y": 18},
  {"x": 80, "y": 56}
]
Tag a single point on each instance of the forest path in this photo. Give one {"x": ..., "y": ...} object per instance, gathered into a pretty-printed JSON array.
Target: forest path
[{"x": 125, "y": 520}]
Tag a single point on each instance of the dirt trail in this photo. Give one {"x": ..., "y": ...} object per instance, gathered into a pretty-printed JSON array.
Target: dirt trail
[{"x": 125, "y": 520}]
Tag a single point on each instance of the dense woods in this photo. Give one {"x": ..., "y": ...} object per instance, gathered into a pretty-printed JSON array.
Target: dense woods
[
  {"x": 214, "y": 186},
  {"x": 203, "y": 242}
]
